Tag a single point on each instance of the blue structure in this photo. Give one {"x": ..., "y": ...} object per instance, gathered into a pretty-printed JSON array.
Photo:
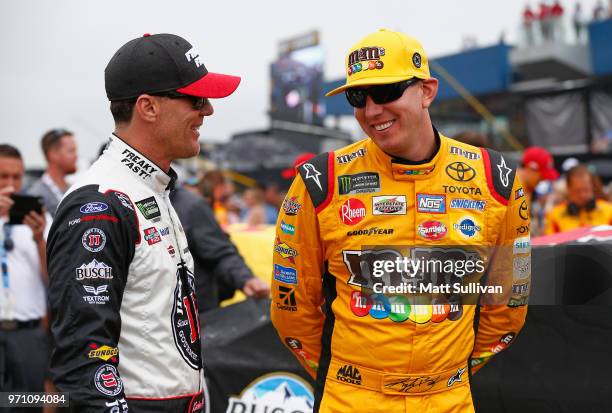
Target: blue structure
[{"x": 600, "y": 35}]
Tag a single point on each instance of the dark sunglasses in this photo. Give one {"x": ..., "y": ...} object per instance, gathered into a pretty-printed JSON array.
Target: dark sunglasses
[
  {"x": 196, "y": 102},
  {"x": 380, "y": 94}
]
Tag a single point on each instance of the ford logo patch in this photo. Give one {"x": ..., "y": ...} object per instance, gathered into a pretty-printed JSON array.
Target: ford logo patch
[{"x": 93, "y": 207}]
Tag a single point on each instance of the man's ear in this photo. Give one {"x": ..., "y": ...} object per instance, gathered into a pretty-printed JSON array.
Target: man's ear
[
  {"x": 430, "y": 90},
  {"x": 147, "y": 108}
]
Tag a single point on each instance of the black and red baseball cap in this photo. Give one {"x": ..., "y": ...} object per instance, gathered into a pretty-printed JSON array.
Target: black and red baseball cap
[{"x": 161, "y": 63}]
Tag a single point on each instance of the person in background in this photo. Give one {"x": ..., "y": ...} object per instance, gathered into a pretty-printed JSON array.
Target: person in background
[
  {"x": 291, "y": 172},
  {"x": 217, "y": 190},
  {"x": 536, "y": 167},
  {"x": 544, "y": 18},
  {"x": 528, "y": 22},
  {"x": 582, "y": 208},
  {"x": 23, "y": 299},
  {"x": 578, "y": 22},
  {"x": 217, "y": 262},
  {"x": 273, "y": 201},
  {"x": 556, "y": 13},
  {"x": 255, "y": 212},
  {"x": 60, "y": 149},
  {"x": 599, "y": 11}
]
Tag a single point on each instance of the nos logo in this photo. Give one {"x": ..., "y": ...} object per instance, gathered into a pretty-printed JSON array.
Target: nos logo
[{"x": 185, "y": 322}]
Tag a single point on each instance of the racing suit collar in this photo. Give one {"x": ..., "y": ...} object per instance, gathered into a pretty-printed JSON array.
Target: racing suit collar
[
  {"x": 405, "y": 170},
  {"x": 140, "y": 166}
]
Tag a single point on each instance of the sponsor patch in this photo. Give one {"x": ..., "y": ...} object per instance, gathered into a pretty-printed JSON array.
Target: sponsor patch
[
  {"x": 460, "y": 171},
  {"x": 286, "y": 296},
  {"x": 471, "y": 204},
  {"x": 523, "y": 229},
  {"x": 431, "y": 204},
  {"x": 286, "y": 275},
  {"x": 349, "y": 157},
  {"x": 454, "y": 150},
  {"x": 389, "y": 205},
  {"x": 98, "y": 297},
  {"x": 312, "y": 174},
  {"x": 95, "y": 270},
  {"x": 125, "y": 200},
  {"x": 103, "y": 352},
  {"x": 185, "y": 320},
  {"x": 456, "y": 377},
  {"x": 287, "y": 228},
  {"x": 365, "y": 182},
  {"x": 521, "y": 245},
  {"x": 89, "y": 218},
  {"x": 164, "y": 232},
  {"x": 519, "y": 193},
  {"x": 370, "y": 231},
  {"x": 521, "y": 267},
  {"x": 520, "y": 289},
  {"x": 107, "y": 381},
  {"x": 349, "y": 374},
  {"x": 117, "y": 406},
  {"x": 504, "y": 171},
  {"x": 432, "y": 230},
  {"x": 466, "y": 190},
  {"x": 524, "y": 211},
  {"x": 94, "y": 240},
  {"x": 171, "y": 250},
  {"x": 291, "y": 206},
  {"x": 149, "y": 209},
  {"x": 285, "y": 251},
  {"x": 467, "y": 227},
  {"x": 152, "y": 235},
  {"x": 352, "y": 211},
  {"x": 93, "y": 208}
]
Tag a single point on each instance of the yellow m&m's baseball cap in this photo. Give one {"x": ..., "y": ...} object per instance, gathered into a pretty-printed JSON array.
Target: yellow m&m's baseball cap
[{"x": 384, "y": 57}]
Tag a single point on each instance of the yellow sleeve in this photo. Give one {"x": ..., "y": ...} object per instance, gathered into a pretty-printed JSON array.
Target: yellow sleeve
[
  {"x": 297, "y": 277},
  {"x": 501, "y": 319},
  {"x": 550, "y": 222}
]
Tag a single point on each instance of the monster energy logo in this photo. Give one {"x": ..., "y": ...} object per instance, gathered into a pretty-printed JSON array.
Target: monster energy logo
[{"x": 359, "y": 183}]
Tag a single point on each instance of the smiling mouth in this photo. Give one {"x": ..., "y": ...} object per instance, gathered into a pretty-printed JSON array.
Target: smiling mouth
[{"x": 383, "y": 126}]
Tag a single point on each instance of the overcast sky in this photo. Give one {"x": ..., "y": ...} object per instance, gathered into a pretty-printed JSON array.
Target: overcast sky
[{"x": 54, "y": 52}]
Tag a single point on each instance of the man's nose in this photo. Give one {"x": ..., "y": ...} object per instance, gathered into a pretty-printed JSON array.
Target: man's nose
[
  {"x": 372, "y": 109},
  {"x": 207, "y": 109}
]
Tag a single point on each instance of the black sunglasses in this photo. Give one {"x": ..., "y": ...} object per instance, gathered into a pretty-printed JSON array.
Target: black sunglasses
[
  {"x": 196, "y": 102},
  {"x": 380, "y": 94}
]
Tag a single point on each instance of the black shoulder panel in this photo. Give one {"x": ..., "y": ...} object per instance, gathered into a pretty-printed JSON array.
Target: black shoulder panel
[
  {"x": 502, "y": 171},
  {"x": 316, "y": 176}
]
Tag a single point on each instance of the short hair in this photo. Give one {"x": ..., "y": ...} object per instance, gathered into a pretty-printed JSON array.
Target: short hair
[
  {"x": 576, "y": 171},
  {"x": 52, "y": 139},
  {"x": 9, "y": 151},
  {"x": 122, "y": 110}
]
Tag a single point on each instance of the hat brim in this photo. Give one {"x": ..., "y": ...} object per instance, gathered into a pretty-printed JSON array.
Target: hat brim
[
  {"x": 550, "y": 174},
  {"x": 212, "y": 85},
  {"x": 289, "y": 173},
  {"x": 369, "y": 81}
]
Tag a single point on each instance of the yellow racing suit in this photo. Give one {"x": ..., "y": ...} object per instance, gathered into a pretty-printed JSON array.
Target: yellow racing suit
[{"x": 383, "y": 352}]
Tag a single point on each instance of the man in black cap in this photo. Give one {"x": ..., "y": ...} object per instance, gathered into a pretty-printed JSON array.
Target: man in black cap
[{"x": 121, "y": 275}]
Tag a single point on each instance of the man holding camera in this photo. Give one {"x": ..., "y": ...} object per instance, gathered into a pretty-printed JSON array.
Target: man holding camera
[{"x": 23, "y": 302}]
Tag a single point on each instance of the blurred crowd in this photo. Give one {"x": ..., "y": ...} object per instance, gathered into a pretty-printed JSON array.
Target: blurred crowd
[{"x": 549, "y": 20}]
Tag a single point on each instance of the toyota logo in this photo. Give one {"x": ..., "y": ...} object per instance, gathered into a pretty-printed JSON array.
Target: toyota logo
[
  {"x": 460, "y": 171},
  {"x": 523, "y": 211}
]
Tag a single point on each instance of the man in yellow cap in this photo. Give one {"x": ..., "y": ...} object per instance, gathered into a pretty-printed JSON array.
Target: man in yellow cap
[{"x": 355, "y": 295}]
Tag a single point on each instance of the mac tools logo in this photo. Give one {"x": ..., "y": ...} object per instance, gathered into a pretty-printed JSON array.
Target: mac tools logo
[{"x": 275, "y": 392}]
